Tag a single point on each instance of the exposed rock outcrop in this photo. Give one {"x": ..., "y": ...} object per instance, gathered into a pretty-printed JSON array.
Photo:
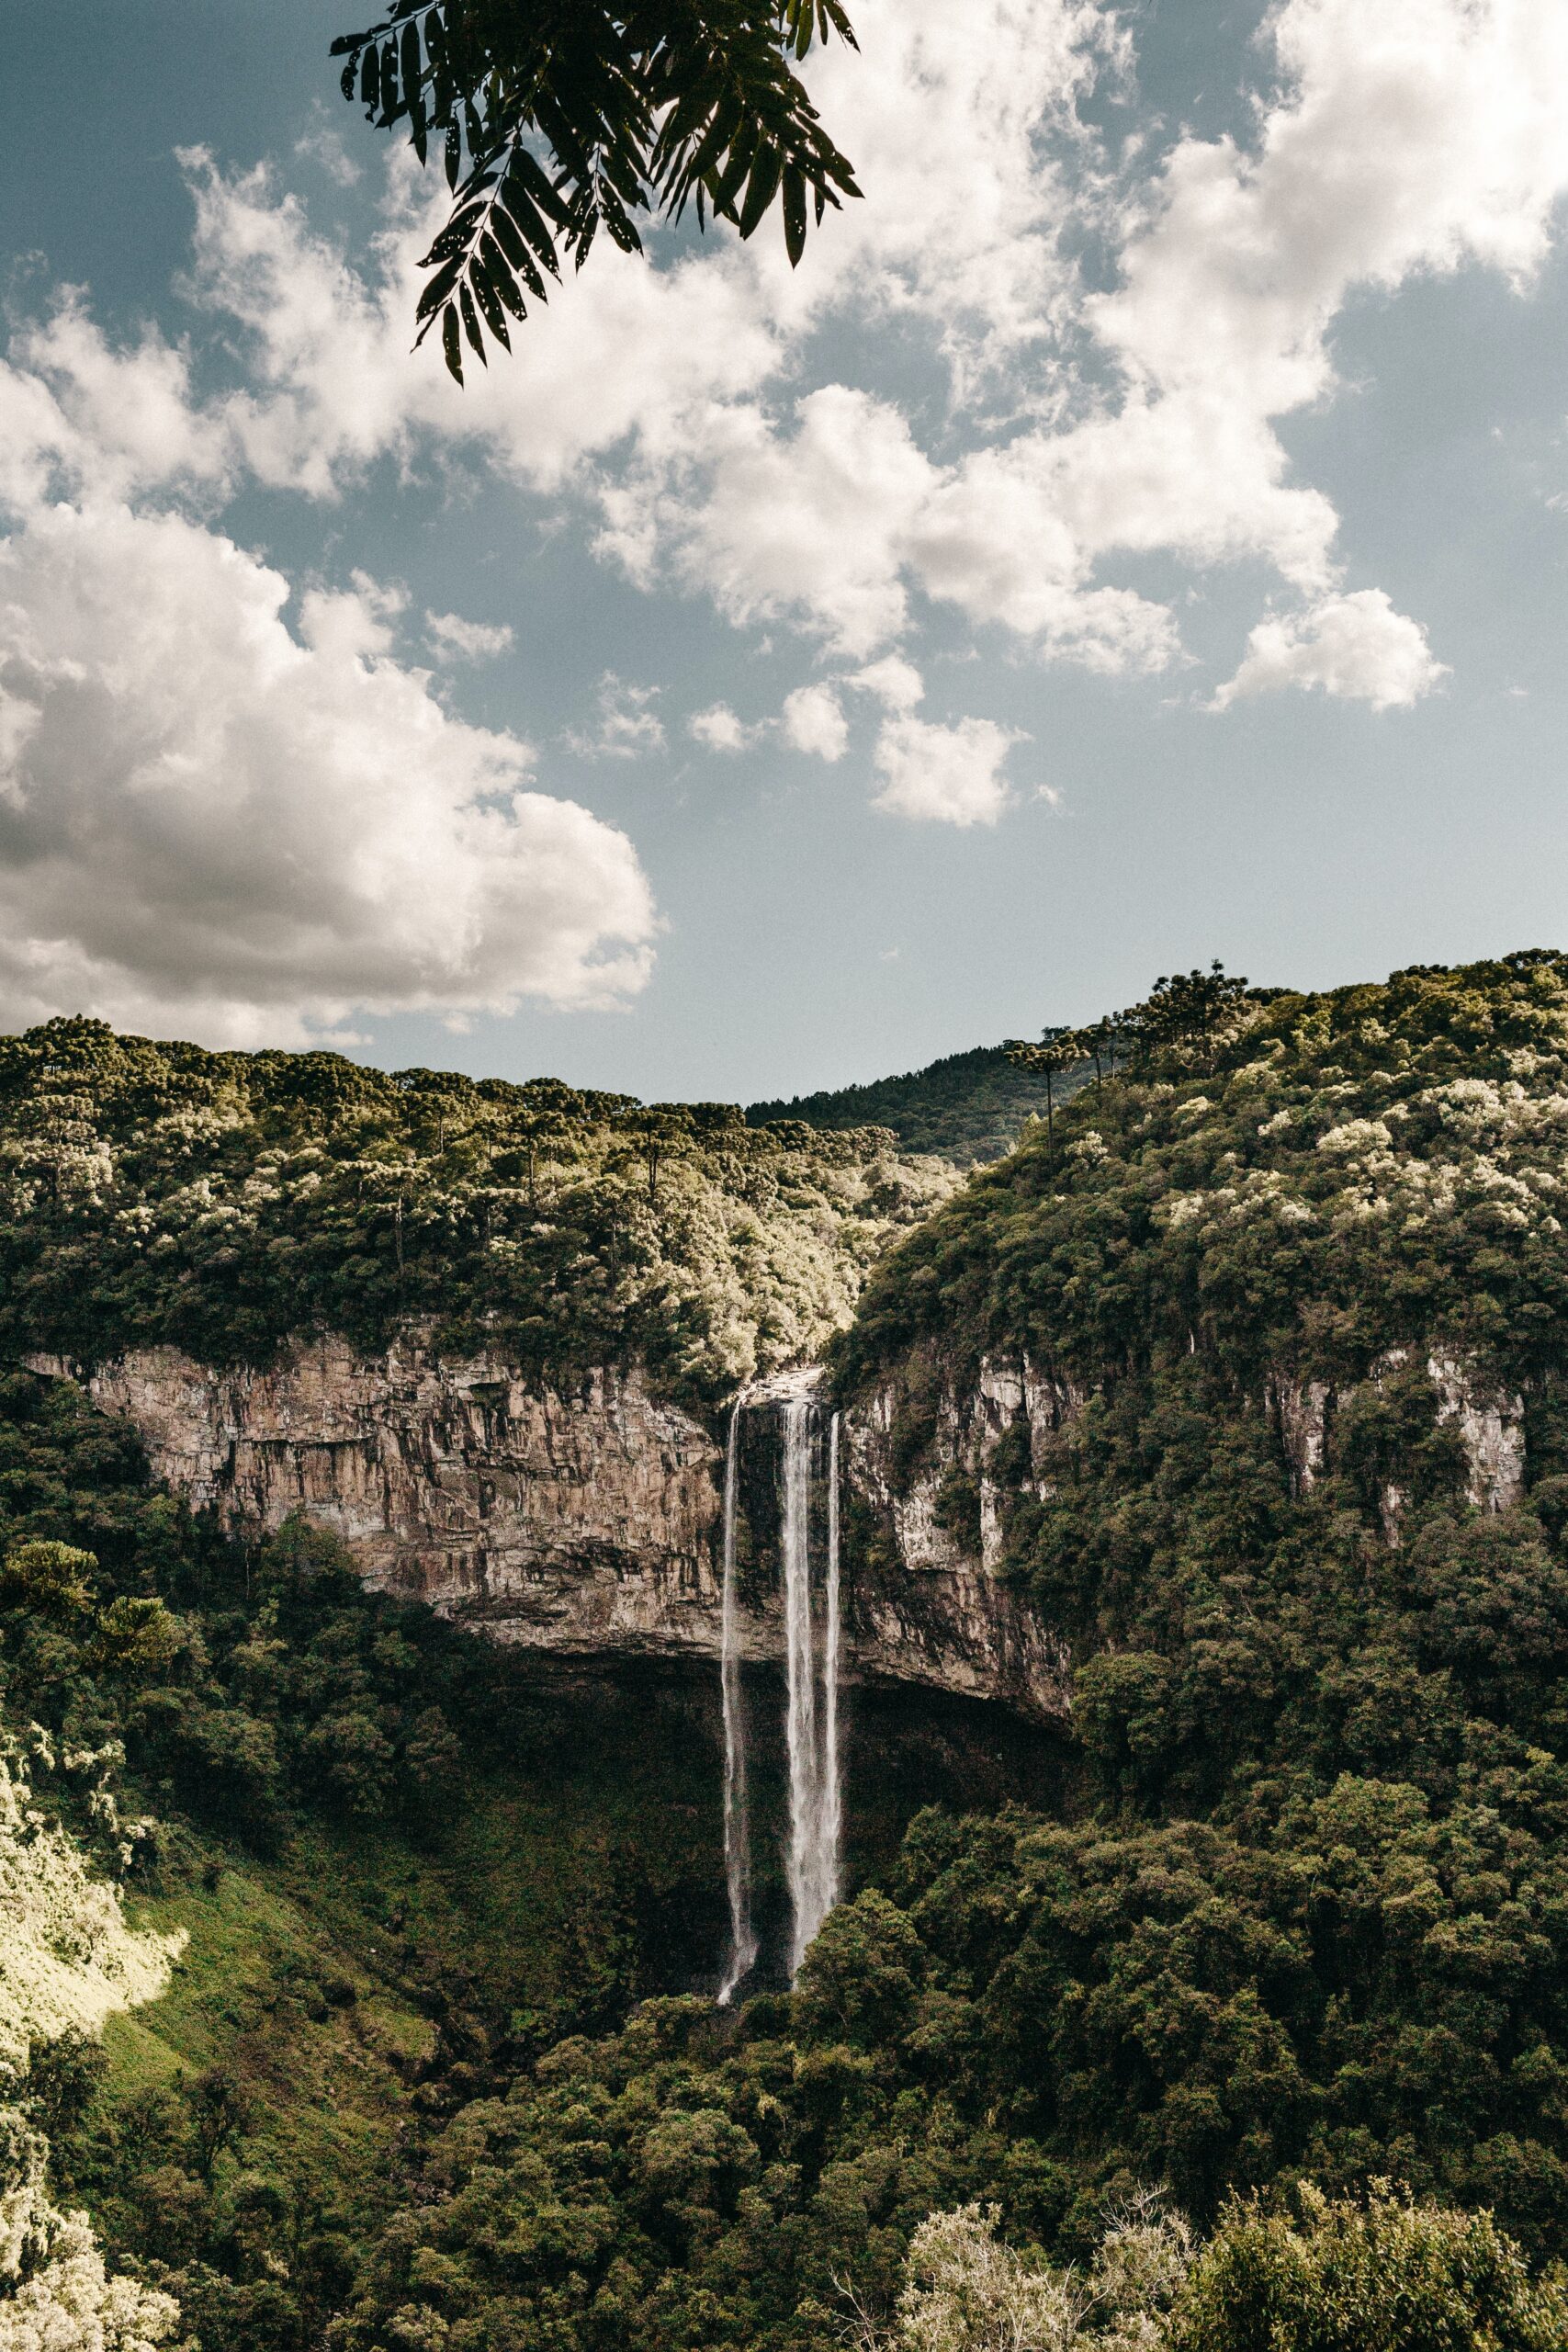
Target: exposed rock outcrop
[
  {"x": 946, "y": 1516},
  {"x": 578, "y": 1518},
  {"x": 1491, "y": 1423},
  {"x": 966, "y": 1429},
  {"x": 924, "y": 1452},
  {"x": 582, "y": 1518},
  {"x": 1488, "y": 1419},
  {"x": 1302, "y": 1409}
]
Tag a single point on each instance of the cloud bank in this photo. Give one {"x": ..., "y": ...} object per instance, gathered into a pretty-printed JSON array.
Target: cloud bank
[
  {"x": 1415, "y": 138},
  {"x": 210, "y": 822},
  {"x": 216, "y": 816}
]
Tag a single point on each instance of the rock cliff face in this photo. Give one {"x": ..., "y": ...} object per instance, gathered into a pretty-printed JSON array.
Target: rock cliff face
[
  {"x": 966, "y": 1430},
  {"x": 937, "y": 1464},
  {"x": 584, "y": 1520},
  {"x": 1488, "y": 1420},
  {"x": 587, "y": 1519},
  {"x": 941, "y": 1518},
  {"x": 577, "y": 1518}
]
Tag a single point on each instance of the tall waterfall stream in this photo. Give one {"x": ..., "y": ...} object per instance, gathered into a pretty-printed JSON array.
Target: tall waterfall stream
[
  {"x": 812, "y": 1647},
  {"x": 737, "y": 1812}
]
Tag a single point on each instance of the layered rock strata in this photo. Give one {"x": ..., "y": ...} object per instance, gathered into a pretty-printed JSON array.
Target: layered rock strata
[
  {"x": 582, "y": 1518},
  {"x": 585, "y": 1517}
]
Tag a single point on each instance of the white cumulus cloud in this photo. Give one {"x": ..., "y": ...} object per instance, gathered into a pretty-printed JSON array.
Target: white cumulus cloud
[
  {"x": 79, "y": 415},
  {"x": 1356, "y": 647},
  {"x": 812, "y": 721},
  {"x": 950, "y": 775},
  {"x": 213, "y": 824},
  {"x": 455, "y": 639},
  {"x": 894, "y": 681},
  {"x": 719, "y": 728},
  {"x": 212, "y": 819},
  {"x": 1414, "y": 137},
  {"x": 810, "y": 527}
]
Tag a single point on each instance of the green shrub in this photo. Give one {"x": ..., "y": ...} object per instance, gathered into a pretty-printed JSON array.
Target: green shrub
[
  {"x": 54, "y": 1579},
  {"x": 1378, "y": 2274}
]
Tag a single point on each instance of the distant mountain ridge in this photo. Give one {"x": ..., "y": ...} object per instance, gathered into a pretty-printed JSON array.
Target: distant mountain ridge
[{"x": 965, "y": 1107}]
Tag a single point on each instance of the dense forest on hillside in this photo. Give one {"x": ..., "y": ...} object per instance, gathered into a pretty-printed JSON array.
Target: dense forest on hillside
[
  {"x": 402, "y": 1867},
  {"x": 964, "y": 1108},
  {"x": 372, "y": 2111},
  {"x": 221, "y": 1202},
  {"x": 1306, "y": 1917},
  {"x": 1322, "y": 1716},
  {"x": 1297, "y": 1276},
  {"x": 1308, "y": 1184}
]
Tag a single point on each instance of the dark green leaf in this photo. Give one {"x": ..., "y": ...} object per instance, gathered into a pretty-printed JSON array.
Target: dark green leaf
[
  {"x": 499, "y": 275},
  {"x": 511, "y": 241},
  {"x": 437, "y": 288},
  {"x": 517, "y": 203},
  {"x": 489, "y": 304},
  {"x": 471, "y": 325},
  {"x": 794, "y": 185},
  {"x": 760, "y": 190},
  {"x": 538, "y": 186}
]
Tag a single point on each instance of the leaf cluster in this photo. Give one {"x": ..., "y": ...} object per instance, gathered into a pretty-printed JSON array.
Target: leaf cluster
[{"x": 557, "y": 117}]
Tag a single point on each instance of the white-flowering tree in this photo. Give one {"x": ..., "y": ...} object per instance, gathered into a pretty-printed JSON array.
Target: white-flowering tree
[
  {"x": 71, "y": 2304},
  {"x": 965, "y": 2290},
  {"x": 67, "y": 1959}
]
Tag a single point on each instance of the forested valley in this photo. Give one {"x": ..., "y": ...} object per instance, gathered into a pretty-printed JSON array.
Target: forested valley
[{"x": 359, "y": 1986}]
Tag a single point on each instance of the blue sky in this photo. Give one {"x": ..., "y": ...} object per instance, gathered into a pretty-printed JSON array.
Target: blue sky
[{"x": 1136, "y": 535}]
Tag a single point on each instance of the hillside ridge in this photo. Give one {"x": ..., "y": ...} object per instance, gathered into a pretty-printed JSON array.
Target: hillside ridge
[{"x": 965, "y": 1107}]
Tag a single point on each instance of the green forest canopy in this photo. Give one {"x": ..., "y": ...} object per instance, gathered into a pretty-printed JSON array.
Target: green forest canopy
[
  {"x": 222, "y": 1202},
  {"x": 966, "y": 1107}
]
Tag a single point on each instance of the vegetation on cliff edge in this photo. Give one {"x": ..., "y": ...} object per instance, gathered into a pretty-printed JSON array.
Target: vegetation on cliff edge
[{"x": 222, "y": 1202}]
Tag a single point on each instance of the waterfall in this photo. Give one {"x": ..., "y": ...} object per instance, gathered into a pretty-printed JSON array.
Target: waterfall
[
  {"x": 800, "y": 1706},
  {"x": 737, "y": 1821},
  {"x": 830, "y": 1794},
  {"x": 812, "y": 1649},
  {"x": 815, "y": 1799}
]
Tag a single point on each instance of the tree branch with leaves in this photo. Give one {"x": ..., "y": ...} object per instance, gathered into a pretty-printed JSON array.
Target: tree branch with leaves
[{"x": 556, "y": 117}]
